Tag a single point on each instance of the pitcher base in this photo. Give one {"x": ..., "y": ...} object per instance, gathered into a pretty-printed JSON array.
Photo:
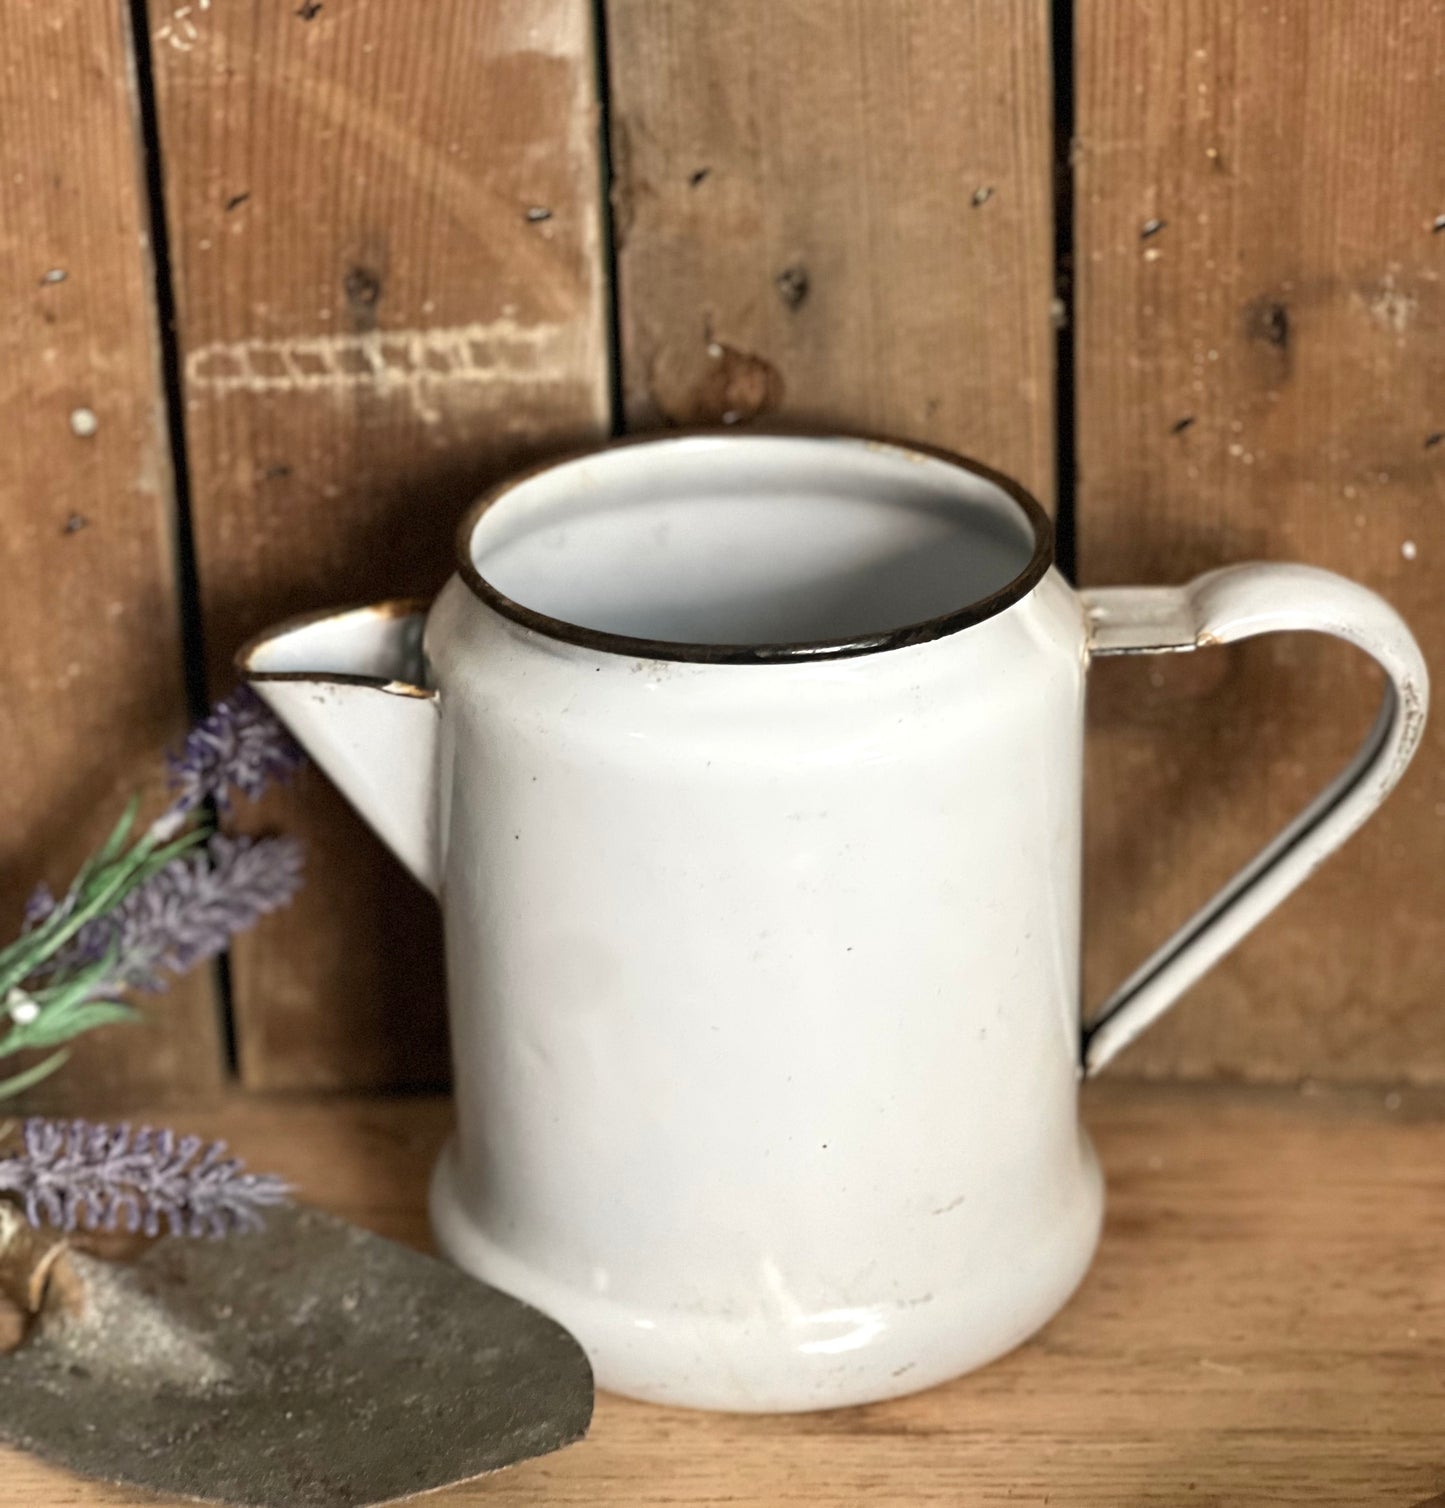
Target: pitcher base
[{"x": 740, "y": 1365}]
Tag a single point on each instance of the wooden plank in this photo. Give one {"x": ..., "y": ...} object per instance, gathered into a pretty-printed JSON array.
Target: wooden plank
[
  {"x": 385, "y": 227},
  {"x": 1263, "y": 375},
  {"x": 1262, "y": 1324},
  {"x": 840, "y": 212},
  {"x": 92, "y": 689}
]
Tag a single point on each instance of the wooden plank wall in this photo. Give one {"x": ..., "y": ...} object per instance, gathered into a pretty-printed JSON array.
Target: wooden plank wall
[
  {"x": 838, "y": 212},
  {"x": 385, "y": 225},
  {"x": 1261, "y": 339},
  {"x": 92, "y": 687}
]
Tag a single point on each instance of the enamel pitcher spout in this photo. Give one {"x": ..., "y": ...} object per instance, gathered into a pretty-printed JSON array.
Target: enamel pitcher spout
[
  {"x": 348, "y": 685},
  {"x": 749, "y": 770}
]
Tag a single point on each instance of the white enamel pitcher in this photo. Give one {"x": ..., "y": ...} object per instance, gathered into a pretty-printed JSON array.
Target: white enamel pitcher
[{"x": 748, "y": 769}]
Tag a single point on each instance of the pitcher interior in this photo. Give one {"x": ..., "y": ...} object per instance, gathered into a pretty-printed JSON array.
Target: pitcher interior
[{"x": 759, "y": 539}]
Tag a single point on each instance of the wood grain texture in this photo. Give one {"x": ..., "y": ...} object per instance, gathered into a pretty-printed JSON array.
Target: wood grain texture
[
  {"x": 385, "y": 230},
  {"x": 838, "y": 212},
  {"x": 1262, "y": 1325},
  {"x": 92, "y": 688},
  {"x": 1262, "y": 375}
]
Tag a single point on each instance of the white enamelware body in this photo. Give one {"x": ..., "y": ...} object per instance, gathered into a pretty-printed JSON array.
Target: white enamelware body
[
  {"x": 763, "y": 999},
  {"x": 748, "y": 771}
]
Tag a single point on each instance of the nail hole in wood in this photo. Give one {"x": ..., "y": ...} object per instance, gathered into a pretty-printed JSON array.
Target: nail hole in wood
[
  {"x": 362, "y": 286},
  {"x": 1267, "y": 319},
  {"x": 792, "y": 284}
]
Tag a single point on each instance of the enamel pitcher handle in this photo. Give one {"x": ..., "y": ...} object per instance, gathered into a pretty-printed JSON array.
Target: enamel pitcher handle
[{"x": 1222, "y": 607}]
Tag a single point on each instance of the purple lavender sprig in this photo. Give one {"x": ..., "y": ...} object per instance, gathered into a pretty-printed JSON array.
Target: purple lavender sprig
[
  {"x": 240, "y": 746},
  {"x": 144, "y": 908},
  {"x": 75, "y": 1175},
  {"x": 185, "y": 914}
]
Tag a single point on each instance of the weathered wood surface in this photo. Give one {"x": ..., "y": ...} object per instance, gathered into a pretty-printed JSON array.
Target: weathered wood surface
[
  {"x": 385, "y": 224},
  {"x": 1261, "y": 374},
  {"x": 92, "y": 688},
  {"x": 1262, "y": 1325},
  {"x": 838, "y": 212}
]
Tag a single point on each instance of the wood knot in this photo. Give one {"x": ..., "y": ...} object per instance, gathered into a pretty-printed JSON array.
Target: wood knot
[{"x": 719, "y": 384}]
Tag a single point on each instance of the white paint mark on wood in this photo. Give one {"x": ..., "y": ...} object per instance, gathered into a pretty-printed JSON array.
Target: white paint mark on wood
[
  {"x": 179, "y": 31},
  {"x": 422, "y": 366},
  {"x": 1391, "y": 306}
]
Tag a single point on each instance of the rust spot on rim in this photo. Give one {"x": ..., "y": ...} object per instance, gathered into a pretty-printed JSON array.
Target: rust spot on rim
[{"x": 388, "y": 611}]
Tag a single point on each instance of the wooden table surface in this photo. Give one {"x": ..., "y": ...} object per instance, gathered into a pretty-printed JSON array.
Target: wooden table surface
[{"x": 1264, "y": 1324}]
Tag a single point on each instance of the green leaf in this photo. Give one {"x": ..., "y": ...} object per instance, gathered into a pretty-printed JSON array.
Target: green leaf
[
  {"x": 108, "y": 851},
  {"x": 55, "y": 1026},
  {"x": 105, "y": 886},
  {"x": 113, "y": 844},
  {"x": 22, "y": 1081},
  {"x": 39, "y": 940},
  {"x": 55, "y": 1004},
  {"x": 104, "y": 880},
  {"x": 12, "y": 958}
]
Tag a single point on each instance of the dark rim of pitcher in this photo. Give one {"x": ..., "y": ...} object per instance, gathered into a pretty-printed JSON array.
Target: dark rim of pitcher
[{"x": 977, "y": 611}]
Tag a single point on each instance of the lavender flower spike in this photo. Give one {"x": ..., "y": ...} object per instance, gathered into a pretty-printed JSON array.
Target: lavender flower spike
[
  {"x": 186, "y": 913},
  {"x": 38, "y": 907},
  {"x": 240, "y": 746},
  {"x": 75, "y": 1175}
]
